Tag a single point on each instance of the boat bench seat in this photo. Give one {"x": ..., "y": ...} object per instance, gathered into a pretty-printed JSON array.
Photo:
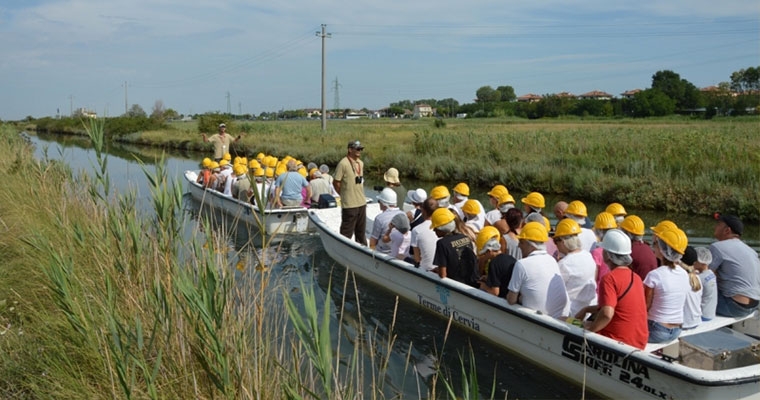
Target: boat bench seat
[{"x": 704, "y": 326}]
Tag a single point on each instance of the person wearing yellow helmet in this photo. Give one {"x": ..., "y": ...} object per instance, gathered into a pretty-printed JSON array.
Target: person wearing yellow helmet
[
  {"x": 577, "y": 267},
  {"x": 460, "y": 195},
  {"x": 349, "y": 183},
  {"x": 576, "y": 210},
  {"x": 242, "y": 187},
  {"x": 204, "y": 176},
  {"x": 533, "y": 203},
  {"x": 221, "y": 142},
  {"x": 642, "y": 255},
  {"x": 493, "y": 197},
  {"x": 617, "y": 210},
  {"x": 666, "y": 287},
  {"x": 495, "y": 266},
  {"x": 603, "y": 223},
  {"x": 536, "y": 281},
  {"x": 473, "y": 214},
  {"x": 454, "y": 255},
  {"x": 289, "y": 186}
]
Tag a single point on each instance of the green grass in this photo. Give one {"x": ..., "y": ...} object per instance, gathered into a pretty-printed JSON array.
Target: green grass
[{"x": 98, "y": 302}]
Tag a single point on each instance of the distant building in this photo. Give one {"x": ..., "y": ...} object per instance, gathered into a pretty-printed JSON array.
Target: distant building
[
  {"x": 566, "y": 95},
  {"x": 595, "y": 95},
  {"x": 529, "y": 98},
  {"x": 85, "y": 113},
  {"x": 422, "y": 110},
  {"x": 628, "y": 94}
]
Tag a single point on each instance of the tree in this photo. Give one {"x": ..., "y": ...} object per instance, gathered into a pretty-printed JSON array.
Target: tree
[
  {"x": 448, "y": 107},
  {"x": 682, "y": 91},
  {"x": 652, "y": 103},
  {"x": 746, "y": 80},
  {"x": 487, "y": 94},
  {"x": 158, "y": 110},
  {"x": 170, "y": 113},
  {"x": 136, "y": 111},
  {"x": 507, "y": 93}
]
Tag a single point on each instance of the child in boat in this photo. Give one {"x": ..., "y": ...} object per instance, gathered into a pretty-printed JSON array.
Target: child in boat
[{"x": 707, "y": 279}]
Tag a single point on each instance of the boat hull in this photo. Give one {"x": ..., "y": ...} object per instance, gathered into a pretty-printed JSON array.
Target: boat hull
[
  {"x": 273, "y": 221},
  {"x": 606, "y": 366}
]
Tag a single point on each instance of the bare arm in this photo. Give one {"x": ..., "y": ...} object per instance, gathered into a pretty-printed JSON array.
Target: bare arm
[
  {"x": 648, "y": 295},
  {"x": 512, "y": 297},
  {"x": 492, "y": 290},
  {"x": 602, "y": 319},
  {"x": 336, "y": 185},
  {"x": 441, "y": 271},
  {"x": 586, "y": 310}
]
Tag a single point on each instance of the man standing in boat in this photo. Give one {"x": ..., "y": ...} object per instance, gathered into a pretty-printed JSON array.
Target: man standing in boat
[
  {"x": 349, "y": 183},
  {"x": 221, "y": 141},
  {"x": 737, "y": 268}
]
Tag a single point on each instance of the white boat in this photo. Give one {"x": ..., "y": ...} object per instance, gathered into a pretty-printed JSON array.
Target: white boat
[
  {"x": 278, "y": 220},
  {"x": 604, "y": 365}
]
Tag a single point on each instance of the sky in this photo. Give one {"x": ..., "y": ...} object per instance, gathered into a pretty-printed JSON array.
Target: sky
[{"x": 255, "y": 56}]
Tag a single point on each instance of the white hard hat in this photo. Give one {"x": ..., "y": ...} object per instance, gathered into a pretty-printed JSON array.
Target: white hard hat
[
  {"x": 387, "y": 196},
  {"x": 617, "y": 242}
]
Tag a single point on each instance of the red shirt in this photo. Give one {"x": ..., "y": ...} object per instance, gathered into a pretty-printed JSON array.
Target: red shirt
[
  {"x": 643, "y": 259},
  {"x": 629, "y": 324}
]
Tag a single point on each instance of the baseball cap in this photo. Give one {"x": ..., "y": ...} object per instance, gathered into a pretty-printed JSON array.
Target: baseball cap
[
  {"x": 732, "y": 221},
  {"x": 222, "y": 125},
  {"x": 355, "y": 144}
]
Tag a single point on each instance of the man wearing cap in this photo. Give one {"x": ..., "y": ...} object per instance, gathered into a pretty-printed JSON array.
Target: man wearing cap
[
  {"x": 349, "y": 183},
  {"x": 388, "y": 201},
  {"x": 737, "y": 267},
  {"x": 391, "y": 180},
  {"x": 221, "y": 141}
]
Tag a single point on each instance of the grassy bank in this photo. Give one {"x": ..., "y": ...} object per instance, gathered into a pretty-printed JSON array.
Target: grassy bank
[
  {"x": 97, "y": 301},
  {"x": 677, "y": 165}
]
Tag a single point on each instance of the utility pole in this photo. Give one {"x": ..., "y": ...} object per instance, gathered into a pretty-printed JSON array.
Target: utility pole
[
  {"x": 126, "y": 103},
  {"x": 240, "y": 108},
  {"x": 323, "y": 35},
  {"x": 229, "y": 110}
]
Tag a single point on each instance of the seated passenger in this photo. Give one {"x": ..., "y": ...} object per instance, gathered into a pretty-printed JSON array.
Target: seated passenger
[
  {"x": 514, "y": 221},
  {"x": 737, "y": 267},
  {"x": 495, "y": 213},
  {"x": 621, "y": 313},
  {"x": 642, "y": 255},
  {"x": 495, "y": 267},
  {"x": 387, "y": 200},
  {"x": 242, "y": 188},
  {"x": 603, "y": 223},
  {"x": 536, "y": 281},
  {"x": 423, "y": 238},
  {"x": 319, "y": 186},
  {"x": 416, "y": 198},
  {"x": 288, "y": 186},
  {"x": 452, "y": 249},
  {"x": 399, "y": 236},
  {"x": 576, "y": 211},
  {"x": 473, "y": 214},
  {"x": 577, "y": 267},
  {"x": 205, "y": 173},
  {"x": 666, "y": 287},
  {"x": 692, "y": 309},
  {"x": 708, "y": 281}
]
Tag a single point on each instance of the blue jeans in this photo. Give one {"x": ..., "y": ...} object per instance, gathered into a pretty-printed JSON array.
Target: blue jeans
[
  {"x": 661, "y": 334},
  {"x": 727, "y": 307}
]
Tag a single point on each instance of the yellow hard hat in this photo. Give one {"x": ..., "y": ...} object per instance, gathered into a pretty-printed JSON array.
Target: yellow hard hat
[
  {"x": 534, "y": 231},
  {"x": 272, "y": 162},
  {"x": 506, "y": 198},
  {"x": 616, "y": 209},
  {"x": 254, "y": 164},
  {"x": 664, "y": 224},
  {"x": 223, "y": 162},
  {"x": 227, "y": 156},
  {"x": 260, "y": 156},
  {"x": 312, "y": 171},
  {"x": 462, "y": 189},
  {"x": 605, "y": 220},
  {"x": 239, "y": 169},
  {"x": 486, "y": 234},
  {"x": 206, "y": 162},
  {"x": 439, "y": 192},
  {"x": 547, "y": 224},
  {"x": 567, "y": 227},
  {"x": 497, "y": 191},
  {"x": 258, "y": 171},
  {"x": 576, "y": 207},
  {"x": 244, "y": 160},
  {"x": 269, "y": 173},
  {"x": 471, "y": 207},
  {"x": 634, "y": 225},
  {"x": 302, "y": 171},
  {"x": 236, "y": 160},
  {"x": 440, "y": 217},
  {"x": 675, "y": 238},
  {"x": 534, "y": 199},
  {"x": 213, "y": 165}
]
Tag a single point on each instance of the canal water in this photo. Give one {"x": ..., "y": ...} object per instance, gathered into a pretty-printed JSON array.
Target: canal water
[{"x": 417, "y": 335}]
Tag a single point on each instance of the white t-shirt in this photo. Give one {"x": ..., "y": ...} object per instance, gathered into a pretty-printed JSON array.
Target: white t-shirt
[
  {"x": 424, "y": 239},
  {"x": 709, "y": 293},
  {"x": 692, "y": 309},
  {"x": 578, "y": 271},
  {"x": 588, "y": 238},
  {"x": 380, "y": 226},
  {"x": 400, "y": 242},
  {"x": 538, "y": 281},
  {"x": 493, "y": 216},
  {"x": 228, "y": 184},
  {"x": 671, "y": 286}
]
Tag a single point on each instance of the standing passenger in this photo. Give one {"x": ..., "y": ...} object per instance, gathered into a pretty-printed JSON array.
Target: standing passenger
[{"x": 349, "y": 183}]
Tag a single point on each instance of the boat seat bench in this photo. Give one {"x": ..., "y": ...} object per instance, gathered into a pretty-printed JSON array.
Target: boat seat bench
[{"x": 704, "y": 326}]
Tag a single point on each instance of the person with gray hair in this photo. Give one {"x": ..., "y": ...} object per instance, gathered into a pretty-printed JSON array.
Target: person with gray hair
[
  {"x": 666, "y": 287},
  {"x": 621, "y": 313},
  {"x": 387, "y": 200},
  {"x": 709, "y": 283},
  {"x": 399, "y": 236}
]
